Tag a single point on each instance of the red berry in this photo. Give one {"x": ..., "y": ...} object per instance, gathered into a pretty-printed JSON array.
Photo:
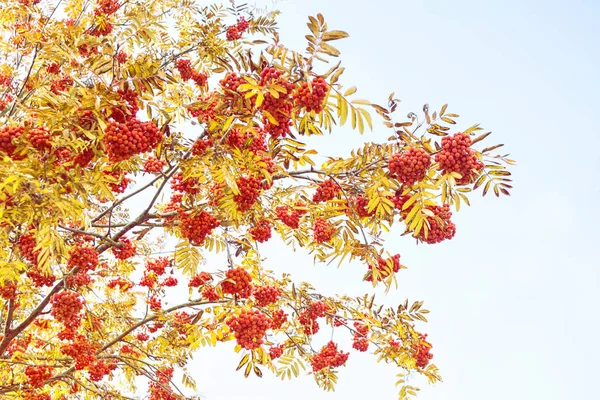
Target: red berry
[{"x": 410, "y": 166}]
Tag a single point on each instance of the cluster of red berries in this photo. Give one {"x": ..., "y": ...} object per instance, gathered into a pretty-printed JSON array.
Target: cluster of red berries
[
  {"x": 153, "y": 165},
  {"x": 37, "y": 375},
  {"x": 289, "y": 218},
  {"x": 101, "y": 28},
  {"x": 280, "y": 108},
  {"x": 84, "y": 158},
  {"x": 440, "y": 228},
  {"x": 53, "y": 68},
  {"x": 169, "y": 282},
  {"x": 60, "y": 84},
  {"x": 124, "y": 140},
  {"x": 161, "y": 390},
  {"x": 410, "y": 166},
  {"x": 39, "y": 278},
  {"x": 27, "y": 245},
  {"x": 308, "y": 317},
  {"x": 187, "y": 72},
  {"x": 121, "y": 57},
  {"x": 360, "y": 205},
  {"x": 276, "y": 351},
  {"x": 458, "y": 156},
  {"x": 235, "y": 32},
  {"x": 261, "y": 231},
  {"x": 66, "y": 308},
  {"x": 81, "y": 351},
  {"x": 238, "y": 282},
  {"x": 238, "y": 140},
  {"x": 99, "y": 369},
  {"x": 39, "y": 139},
  {"x": 383, "y": 267},
  {"x": 8, "y": 290},
  {"x": 323, "y": 231},
  {"x": 159, "y": 265},
  {"x": 107, "y": 7},
  {"x": 421, "y": 352},
  {"x": 200, "y": 279},
  {"x": 154, "y": 303},
  {"x": 209, "y": 293},
  {"x": 230, "y": 84},
  {"x": 188, "y": 185},
  {"x": 205, "y": 112},
  {"x": 200, "y": 146},
  {"x": 125, "y": 251},
  {"x": 7, "y": 136},
  {"x": 249, "y": 328},
  {"x": 311, "y": 96},
  {"x": 360, "y": 341},
  {"x": 129, "y": 105},
  {"x": 123, "y": 284},
  {"x": 121, "y": 184},
  {"x": 327, "y": 190},
  {"x": 83, "y": 257},
  {"x": 328, "y": 357},
  {"x": 266, "y": 295},
  {"x": 249, "y": 188},
  {"x": 197, "y": 227},
  {"x": 278, "y": 318}
]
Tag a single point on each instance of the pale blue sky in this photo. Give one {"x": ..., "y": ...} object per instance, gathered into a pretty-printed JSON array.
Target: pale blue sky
[{"x": 514, "y": 296}]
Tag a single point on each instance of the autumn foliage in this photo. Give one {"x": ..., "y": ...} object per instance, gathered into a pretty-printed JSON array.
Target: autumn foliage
[{"x": 129, "y": 155}]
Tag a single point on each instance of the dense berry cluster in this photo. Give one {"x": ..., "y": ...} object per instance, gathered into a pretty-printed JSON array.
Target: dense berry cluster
[
  {"x": 123, "y": 140},
  {"x": 123, "y": 284},
  {"x": 278, "y": 318},
  {"x": 187, "y": 72},
  {"x": 308, "y": 317},
  {"x": 39, "y": 278},
  {"x": 276, "y": 351},
  {"x": 261, "y": 231},
  {"x": 421, "y": 352},
  {"x": 323, "y": 231},
  {"x": 66, "y": 308},
  {"x": 83, "y": 257},
  {"x": 360, "y": 341},
  {"x": 60, "y": 84},
  {"x": 289, "y": 217},
  {"x": 200, "y": 279},
  {"x": 121, "y": 57},
  {"x": 81, "y": 351},
  {"x": 266, "y": 295},
  {"x": 7, "y": 136},
  {"x": 8, "y": 290},
  {"x": 279, "y": 108},
  {"x": 457, "y": 156},
  {"x": 440, "y": 226},
  {"x": 235, "y": 32},
  {"x": 328, "y": 357},
  {"x": 154, "y": 303},
  {"x": 158, "y": 266},
  {"x": 249, "y": 328},
  {"x": 125, "y": 251},
  {"x": 200, "y": 146},
  {"x": 205, "y": 112},
  {"x": 53, "y": 68},
  {"x": 169, "y": 282},
  {"x": 121, "y": 184},
  {"x": 249, "y": 188},
  {"x": 129, "y": 105},
  {"x": 99, "y": 369},
  {"x": 327, "y": 190},
  {"x": 187, "y": 185},
  {"x": 197, "y": 227},
  {"x": 238, "y": 282},
  {"x": 311, "y": 96},
  {"x": 153, "y": 165},
  {"x": 27, "y": 245},
  {"x": 360, "y": 205},
  {"x": 160, "y": 389},
  {"x": 410, "y": 166},
  {"x": 230, "y": 84},
  {"x": 384, "y": 267},
  {"x": 39, "y": 139},
  {"x": 37, "y": 375},
  {"x": 209, "y": 293},
  {"x": 241, "y": 140}
]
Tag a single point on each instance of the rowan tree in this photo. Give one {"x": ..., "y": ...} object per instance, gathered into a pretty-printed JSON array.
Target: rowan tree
[{"x": 128, "y": 125}]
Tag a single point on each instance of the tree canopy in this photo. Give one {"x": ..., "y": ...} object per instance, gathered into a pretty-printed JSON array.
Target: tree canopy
[{"x": 126, "y": 126}]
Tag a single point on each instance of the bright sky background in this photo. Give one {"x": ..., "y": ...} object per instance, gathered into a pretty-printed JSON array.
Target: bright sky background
[{"x": 514, "y": 296}]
